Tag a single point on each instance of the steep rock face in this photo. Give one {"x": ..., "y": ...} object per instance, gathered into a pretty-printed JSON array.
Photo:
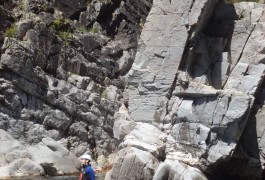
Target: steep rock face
[
  {"x": 60, "y": 80},
  {"x": 182, "y": 99},
  {"x": 248, "y": 156},
  {"x": 162, "y": 43},
  {"x": 6, "y": 20},
  {"x": 200, "y": 86}
]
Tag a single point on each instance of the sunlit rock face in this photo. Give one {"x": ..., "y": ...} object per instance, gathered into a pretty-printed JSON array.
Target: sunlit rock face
[
  {"x": 162, "y": 89},
  {"x": 200, "y": 86},
  {"x": 169, "y": 27},
  {"x": 62, "y": 66}
]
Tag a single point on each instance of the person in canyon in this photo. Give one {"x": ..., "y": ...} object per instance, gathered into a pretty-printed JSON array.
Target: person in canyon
[{"x": 87, "y": 172}]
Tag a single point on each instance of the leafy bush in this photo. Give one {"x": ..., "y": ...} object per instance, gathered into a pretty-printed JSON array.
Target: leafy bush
[
  {"x": 64, "y": 35},
  {"x": 21, "y": 5},
  {"x": 63, "y": 28},
  {"x": 83, "y": 29},
  {"x": 103, "y": 94},
  {"x": 44, "y": 7},
  {"x": 11, "y": 31},
  {"x": 61, "y": 25},
  {"x": 93, "y": 30}
]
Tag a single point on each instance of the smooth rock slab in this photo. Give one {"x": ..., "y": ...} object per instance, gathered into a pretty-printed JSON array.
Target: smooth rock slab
[{"x": 148, "y": 138}]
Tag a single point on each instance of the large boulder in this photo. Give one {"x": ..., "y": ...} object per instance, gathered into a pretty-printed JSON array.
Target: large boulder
[
  {"x": 176, "y": 170},
  {"x": 47, "y": 157},
  {"x": 54, "y": 157},
  {"x": 133, "y": 163},
  {"x": 148, "y": 138},
  {"x": 16, "y": 159},
  {"x": 123, "y": 124}
]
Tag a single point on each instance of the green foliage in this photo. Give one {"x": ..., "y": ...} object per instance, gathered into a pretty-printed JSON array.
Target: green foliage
[
  {"x": 88, "y": 2},
  {"x": 61, "y": 25},
  {"x": 43, "y": 7},
  {"x": 64, "y": 35},
  {"x": 83, "y": 29},
  {"x": 20, "y": 4},
  {"x": 11, "y": 31},
  {"x": 63, "y": 28},
  {"x": 93, "y": 30},
  {"x": 103, "y": 94},
  {"x": 237, "y": 1}
]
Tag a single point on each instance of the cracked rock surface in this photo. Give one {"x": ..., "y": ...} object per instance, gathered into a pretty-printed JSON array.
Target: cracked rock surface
[{"x": 162, "y": 89}]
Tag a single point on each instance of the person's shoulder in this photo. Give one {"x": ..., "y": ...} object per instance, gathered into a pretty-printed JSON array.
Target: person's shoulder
[{"x": 89, "y": 168}]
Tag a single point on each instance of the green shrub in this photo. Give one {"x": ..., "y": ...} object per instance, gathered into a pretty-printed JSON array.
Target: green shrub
[
  {"x": 64, "y": 35},
  {"x": 93, "y": 30},
  {"x": 83, "y": 29},
  {"x": 103, "y": 94},
  {"x": 61, "y": 25},
  {"x": 88, "y": 2},
  {"x": 62, "y": 28},
  {"x": 20, "y": 5},
  {"x": 43, "y": 7},
  {"x": 11, "y": 31}
]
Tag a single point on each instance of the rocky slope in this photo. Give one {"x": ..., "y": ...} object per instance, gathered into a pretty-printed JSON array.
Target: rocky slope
[
  {"x": 61, "y": 80},
  {"x": 162, "y": 89}
]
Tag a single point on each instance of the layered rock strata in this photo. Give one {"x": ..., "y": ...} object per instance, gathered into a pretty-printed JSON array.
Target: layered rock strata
[
  {"x": 176, "y": 95},
  {"x": 198, "y": 88}
]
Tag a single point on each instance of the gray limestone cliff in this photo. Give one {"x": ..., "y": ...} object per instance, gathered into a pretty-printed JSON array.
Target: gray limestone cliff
[{"x": 162, "y": 89}]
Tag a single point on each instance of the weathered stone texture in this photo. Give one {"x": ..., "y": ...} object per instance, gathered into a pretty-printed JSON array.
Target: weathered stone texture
[
  {"x": 78, "y": 77},
  {"x": 133, "y": 163},
  {"x": 176, "y": 170},
  {"x": 161, "y": 47}
]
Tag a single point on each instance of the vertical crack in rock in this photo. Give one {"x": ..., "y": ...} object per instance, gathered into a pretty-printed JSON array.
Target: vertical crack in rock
[
  {"x": 153, "y": 58},
  {"x": 188, "y": 44},
  {"x": 228, "y": 104},
  {"x": 244, "y": 46}
]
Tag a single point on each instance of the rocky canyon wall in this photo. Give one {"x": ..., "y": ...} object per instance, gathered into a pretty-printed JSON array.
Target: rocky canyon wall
[{"x": 162, "y": 89}]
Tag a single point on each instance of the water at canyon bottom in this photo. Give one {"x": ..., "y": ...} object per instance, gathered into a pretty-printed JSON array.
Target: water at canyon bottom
[{"x": 98, "y": 177}]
